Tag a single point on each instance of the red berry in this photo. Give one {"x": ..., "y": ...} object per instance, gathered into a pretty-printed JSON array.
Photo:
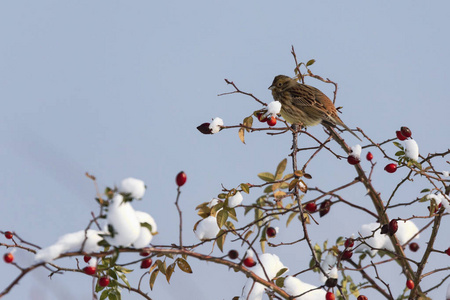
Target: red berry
[
  {"x": 104, "y": 281},
  {"x": 410, "y": 284},
  {"x": 400, "y": 136},
  {"x": 406, "y": 132},
  {"x": 146, "y": 263},
  {"x": 86, "y": 258},
  {"x": 249, "y": 262},
  {"x": 271, "y": 232},
  {"x": 349, "y": 243},
  {"x": 413, "y": 247},
  {"x": 261, "y": 117},
  {"x": 329, "y": 296},
  {"x": 233, "y": 254},
  {"x": 393, "y": 226},
  {"x": 390, "y": 168},
  {"x": 324, "y": 208},
  {"x": 144, "y": 253},
  {"x": 353, "y": 160},
  {"x": 311, "y": 207},
  {"x": 362, "y": 297},
  {"x": 8, "y": 257},
  {"x": 90, "y": 270},
  {"x": 272, "y": 121},
  {"x": 448, "y": 251},
  {"x": 8, "y": 235},
  {"x": 369, "y": 156},
  {"x": 181, "y": 178},
  {"x": 347, "y": 254}
]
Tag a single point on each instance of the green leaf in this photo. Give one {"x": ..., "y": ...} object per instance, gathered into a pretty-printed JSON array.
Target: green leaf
[
  {"x": 232, "y": 213},
  {"x": 183, "y": 265},
  {"x": 112, "y": 274},
  {"x": 221, "y": 239},
  {"x": 147, "y": 225},
  {"x": 153, "y": 278},
  {"x": 258, "y": 216},
  {"x": 268, "y": 189},
  {"x": 398, "y": 145},
  {"x": 280, "y": 169},
  {"x": 399, "y": 153},
  {"x": 222, "y": 217},
  {"x": 123, "y": 270},
  {"x": 124, "y": 279},
  {"x": 263, "y": 246},
  {"x": 281, "y": 272},
  {"x": 310, "y": 62},
  {"x": 104, "y": 295},
  {"x": 245, "y": 188},
  {"x": 290, "y": 218},
  {"x": 280, "y": 282},
  {"x": 266, "y": 176}
]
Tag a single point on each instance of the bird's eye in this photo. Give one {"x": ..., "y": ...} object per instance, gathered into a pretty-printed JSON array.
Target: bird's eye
[{"x": 279, "y": 84}]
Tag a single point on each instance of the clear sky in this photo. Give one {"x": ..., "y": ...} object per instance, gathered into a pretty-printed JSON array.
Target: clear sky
[{"x": 116, "y": 88}]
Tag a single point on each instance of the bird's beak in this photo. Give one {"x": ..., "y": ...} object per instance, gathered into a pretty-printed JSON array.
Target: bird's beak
[{"x": 271, "y": 87}]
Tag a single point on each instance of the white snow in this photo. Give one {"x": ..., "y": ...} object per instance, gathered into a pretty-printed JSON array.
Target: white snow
[
  {"x": 235, "y": 200},
  {"x": 92, "y": 262},
  {"x": 441, "y": 199},
  {"x": 122, "y": 217},
  {"x": 207, "y": 228},
  {"x": 213, "y": 202},
  {"x": 356, "y": 151},
  {"x": 411, "y": 149},
  {"x": 215, "y": 125},
  {"x": 133, "y": 186},
  {"x": 272, "y": 265},
  {"x": 273, "y": 108},
  {"x": 405, "y": 232},
  {"x": 145, "y": 236},
  {"x": 294, "y": 286},
  {"x": 70, "y": 242},
  {"x": 445, "y": 174},
  {"x": 328, "y": 265}
]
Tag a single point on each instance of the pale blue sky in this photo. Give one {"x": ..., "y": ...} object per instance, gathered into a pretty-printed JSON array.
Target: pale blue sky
[{"x": 116, "y": 88}]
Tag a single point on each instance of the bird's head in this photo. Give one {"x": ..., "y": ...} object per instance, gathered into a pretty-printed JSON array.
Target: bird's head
[{"x": 281, "y": 82}]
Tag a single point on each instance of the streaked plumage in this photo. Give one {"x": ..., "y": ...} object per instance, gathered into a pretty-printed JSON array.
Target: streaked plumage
[{"x": 303, "y": 104}]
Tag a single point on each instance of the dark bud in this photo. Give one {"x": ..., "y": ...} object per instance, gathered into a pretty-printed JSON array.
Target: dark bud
[
  {"x": 384, "y": 229},
  {"x": 204, "y": 128},
  {"x": 233, "y": 254},
  {"x": 324, "y": 208},
  {"x": 413, "y": 247},
  {"x": 331, "y": 282}
]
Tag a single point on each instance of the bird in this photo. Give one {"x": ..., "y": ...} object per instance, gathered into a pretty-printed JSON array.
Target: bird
[{"x": 304, "y": 104}]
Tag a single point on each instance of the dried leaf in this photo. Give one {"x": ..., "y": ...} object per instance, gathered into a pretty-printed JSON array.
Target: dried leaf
[
  {"x": 241, "y": 134},
  {"x": 183, "y": 265},
  {"x": 153, "y": 278},
  {"x": 245, "y": 188}
]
